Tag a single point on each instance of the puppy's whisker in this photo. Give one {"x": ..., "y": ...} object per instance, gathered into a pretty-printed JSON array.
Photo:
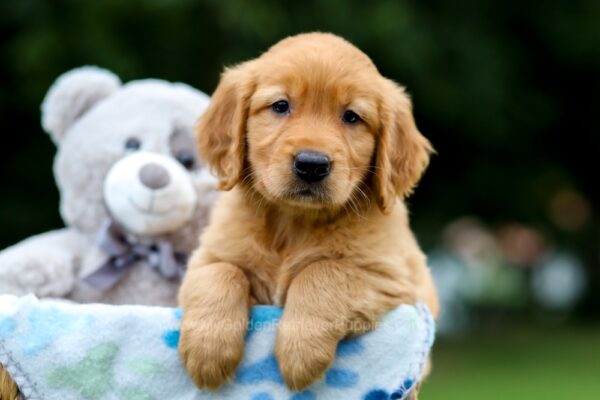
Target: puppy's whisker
[
  {"x": 351, "y": 205},
  {"x": 350, "y": 168},
  {"x": 355, "y": 207},
  {"x": 364, "y": 195},
  {"x": 249, "y": 191}
]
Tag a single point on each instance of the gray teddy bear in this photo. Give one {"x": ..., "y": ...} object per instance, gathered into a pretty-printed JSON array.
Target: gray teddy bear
[{"x": 133, "y": 193}]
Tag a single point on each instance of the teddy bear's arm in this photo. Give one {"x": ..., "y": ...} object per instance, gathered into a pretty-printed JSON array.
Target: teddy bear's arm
[{"x": 44, "y": 265}]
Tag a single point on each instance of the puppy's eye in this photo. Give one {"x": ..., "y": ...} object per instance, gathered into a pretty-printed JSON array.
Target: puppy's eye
[
  {"x": 133, "y": 144},
  {"x": 350, "y": 117},
  {"x": 281, "y": 107},
  {"x": 186, "y": 159}
]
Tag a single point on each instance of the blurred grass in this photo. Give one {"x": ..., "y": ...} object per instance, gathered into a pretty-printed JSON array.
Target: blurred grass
[{"x": 525, "y": 364}]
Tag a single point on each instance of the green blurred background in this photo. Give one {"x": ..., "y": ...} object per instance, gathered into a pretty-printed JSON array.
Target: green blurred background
[{"x": 508, "y": 92}]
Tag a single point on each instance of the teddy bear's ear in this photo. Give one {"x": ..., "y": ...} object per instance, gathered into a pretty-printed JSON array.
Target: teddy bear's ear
[{"x": 74, "y": 93}]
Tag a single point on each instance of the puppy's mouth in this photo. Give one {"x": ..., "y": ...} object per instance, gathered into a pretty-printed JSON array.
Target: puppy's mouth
[{"x": 308, "y": 193}]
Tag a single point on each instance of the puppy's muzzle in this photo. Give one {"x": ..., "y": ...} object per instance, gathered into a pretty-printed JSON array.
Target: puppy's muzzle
[{"x": 311, "y": 166}]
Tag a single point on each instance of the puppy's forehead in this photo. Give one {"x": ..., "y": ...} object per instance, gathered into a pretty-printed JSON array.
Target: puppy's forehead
[
  {"x": 325, "y": 46},
  {"x": 318, "y": 54},
  {"x": 319, "y": 63}
]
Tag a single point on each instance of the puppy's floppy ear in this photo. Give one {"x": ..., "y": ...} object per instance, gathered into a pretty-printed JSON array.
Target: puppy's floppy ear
[
  {"x": 402, "y": 153},
  {"x": 221, "y": 130}
]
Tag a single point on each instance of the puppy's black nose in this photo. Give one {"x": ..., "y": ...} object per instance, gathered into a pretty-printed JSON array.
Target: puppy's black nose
[{"x": 311, "y": 166}]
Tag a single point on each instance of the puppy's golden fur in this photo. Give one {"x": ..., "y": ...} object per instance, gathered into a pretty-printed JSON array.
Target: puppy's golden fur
[
  {"x": 8, "y": 388},
  {"x": 337, "y": 254}
]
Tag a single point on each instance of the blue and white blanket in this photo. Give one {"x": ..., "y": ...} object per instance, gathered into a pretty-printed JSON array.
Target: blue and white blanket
[{"x": 57, "y": 350}]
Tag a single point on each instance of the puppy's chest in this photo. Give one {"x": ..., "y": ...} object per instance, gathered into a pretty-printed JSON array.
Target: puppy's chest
[{"x": 284, "y": 252}]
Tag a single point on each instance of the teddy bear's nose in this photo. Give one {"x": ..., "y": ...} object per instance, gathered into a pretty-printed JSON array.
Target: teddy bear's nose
[{"x": 154, "y": 176}]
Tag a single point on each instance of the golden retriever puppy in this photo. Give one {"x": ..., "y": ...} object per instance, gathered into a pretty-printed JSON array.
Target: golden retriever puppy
[{"x": 316, "y": 150}]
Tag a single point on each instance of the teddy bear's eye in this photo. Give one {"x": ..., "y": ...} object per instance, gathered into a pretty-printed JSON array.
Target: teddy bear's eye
[
  {"x": 133, "y": 144},
  {"x": 186, "y": 159}
]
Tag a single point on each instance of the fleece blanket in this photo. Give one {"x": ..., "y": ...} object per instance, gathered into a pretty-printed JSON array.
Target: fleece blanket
[{"x": 57, "y": 350}]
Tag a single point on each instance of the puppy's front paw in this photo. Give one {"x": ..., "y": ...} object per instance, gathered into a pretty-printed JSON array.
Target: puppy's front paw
[
  {"x": 211, "y": 349},
  {"x": 304, "y": 353}
]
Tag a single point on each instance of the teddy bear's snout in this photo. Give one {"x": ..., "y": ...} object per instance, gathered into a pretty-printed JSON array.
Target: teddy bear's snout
[
  {"x": 150, "y": 193},
  {"x": 154, "y": 176}
]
